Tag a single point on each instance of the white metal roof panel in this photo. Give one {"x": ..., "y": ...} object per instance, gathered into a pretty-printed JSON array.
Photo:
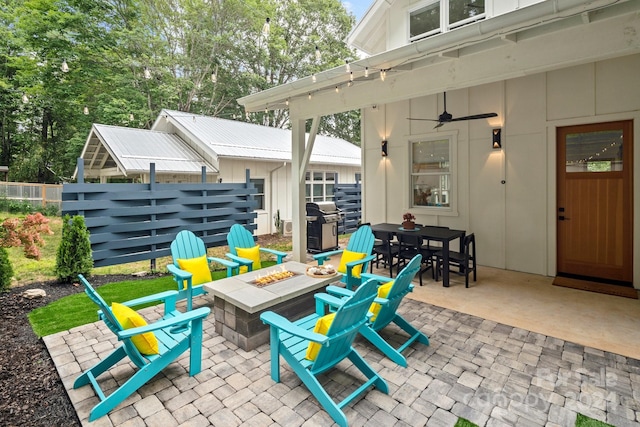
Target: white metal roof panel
[
  {"x": 236, "y": 139},
  {"x": 136, "y": 148}
]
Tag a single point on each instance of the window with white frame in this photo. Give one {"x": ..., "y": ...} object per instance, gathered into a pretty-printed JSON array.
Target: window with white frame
[
  {"x": 431, "y": 172},
  {"x": 320, "y": 185},
  {"x": 432, "y": 17}
]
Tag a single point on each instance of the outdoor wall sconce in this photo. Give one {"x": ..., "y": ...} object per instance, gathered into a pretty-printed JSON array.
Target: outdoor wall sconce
[
  {"x": 385, "y": 151},
  {"x": 497, "y": 143}
]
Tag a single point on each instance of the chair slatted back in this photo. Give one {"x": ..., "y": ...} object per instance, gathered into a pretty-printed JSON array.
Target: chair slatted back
[
  {"x": 348, "y": 320},
  {"x": 239, "y": 237},
  {"x": 112, "y": 323},
  {"x": 187, "y": 245},
  {"x": 401, "y": 286},
  {"x": 362, "y": 240}
]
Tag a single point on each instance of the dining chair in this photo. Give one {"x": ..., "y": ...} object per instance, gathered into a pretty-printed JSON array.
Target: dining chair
[
  {"x": 411, "y": 245},
  {"x": 385, "y": 251},
  {"x": 465, "y": 261}
]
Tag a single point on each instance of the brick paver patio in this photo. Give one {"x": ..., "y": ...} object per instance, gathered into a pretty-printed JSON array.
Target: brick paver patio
[{"x": 486, "y": 372}]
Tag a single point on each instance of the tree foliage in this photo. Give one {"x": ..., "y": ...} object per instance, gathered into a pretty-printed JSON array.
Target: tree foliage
[{"x": 128, "y": 59}]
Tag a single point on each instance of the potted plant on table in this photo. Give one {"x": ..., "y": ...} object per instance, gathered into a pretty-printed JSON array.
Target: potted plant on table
[{"x": 408, "y": 221}]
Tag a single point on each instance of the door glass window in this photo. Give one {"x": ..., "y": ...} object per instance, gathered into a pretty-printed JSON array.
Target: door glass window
[{"x": 594, "y": 151}]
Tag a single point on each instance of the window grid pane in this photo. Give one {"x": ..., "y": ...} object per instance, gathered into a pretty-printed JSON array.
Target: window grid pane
[{"x": 431, "y": 173}]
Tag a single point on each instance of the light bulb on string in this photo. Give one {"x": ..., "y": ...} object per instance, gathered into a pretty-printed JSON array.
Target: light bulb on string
[
  {"x": 85, "y": 110},
  {"x": 337, "y": 89},
  {"x": 351, "y": 76},
  {"x": 64, "y": 67},
  {"x": 318, "y": 55},
  {"x": 147, "y": 73},
  {"x": 25, "y": 98},
  {"x": 286, "y": 102},
  {"x": 313, "y": 78},
  {"x": 309, "y": 95},
  {"x": 214, "y": 78},
  {"x": 366, "y": 71},
  {"x": 266, "y": 28},
  {"x": 383, "y": 74},
  {"x": 347, "y": 67}
]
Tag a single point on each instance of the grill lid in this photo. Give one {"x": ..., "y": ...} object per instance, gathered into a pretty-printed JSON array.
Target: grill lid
[{"x": 322, "y": 207}]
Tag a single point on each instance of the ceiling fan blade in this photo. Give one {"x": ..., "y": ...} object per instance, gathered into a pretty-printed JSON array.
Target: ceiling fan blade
[
  {"x": 431, "y": 120},
  {"x": 475, "y": 116}
]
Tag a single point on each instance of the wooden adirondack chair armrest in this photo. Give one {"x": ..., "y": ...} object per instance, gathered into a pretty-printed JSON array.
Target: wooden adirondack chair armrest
[
  {"x": 180, "y": 274},
  {"x": 378, "y": 278},
  {"x": 325, "y": 300},
  {"x": 275, "y": 320},
  {"x": 338, "y": 291},
  {"x": 321, "y": 258},
  {"x": 352, "y": 264},
  {"x": 242, "y": 261},
  {"x": 231, "y": 265},
  {"x": 279, "y": 254},
  {"x": 181, "y": 319},
  {"x": 169, "y": 298}
]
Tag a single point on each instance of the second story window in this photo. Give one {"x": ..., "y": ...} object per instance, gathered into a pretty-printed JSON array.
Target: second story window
[{"x": 432, "y": 17}]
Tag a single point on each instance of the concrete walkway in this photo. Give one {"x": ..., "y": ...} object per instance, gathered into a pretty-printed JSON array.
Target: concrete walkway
[{"x": 481, "y": 370}]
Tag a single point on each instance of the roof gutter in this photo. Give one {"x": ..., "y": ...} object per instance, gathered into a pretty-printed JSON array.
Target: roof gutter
[{"x": 502, "y": 25}]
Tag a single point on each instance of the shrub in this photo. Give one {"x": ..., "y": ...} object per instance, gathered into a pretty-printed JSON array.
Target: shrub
[
  {"x": 74, "y": 252},
  {"x": 26, "y": 233},
  {"x": 6, "y": 271}
]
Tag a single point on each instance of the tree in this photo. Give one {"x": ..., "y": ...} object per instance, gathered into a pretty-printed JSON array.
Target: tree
[
  {"x": 74, "y": 253},
  {"x": 128, "y": 59}
]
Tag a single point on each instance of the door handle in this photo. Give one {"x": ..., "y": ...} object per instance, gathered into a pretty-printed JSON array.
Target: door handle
[{"x": 563, "y": 218}]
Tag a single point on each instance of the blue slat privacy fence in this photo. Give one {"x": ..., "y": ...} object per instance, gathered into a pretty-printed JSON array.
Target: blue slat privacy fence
[
  {"x": 348, "y": 198},
  {"x": 135, "y": 222}
]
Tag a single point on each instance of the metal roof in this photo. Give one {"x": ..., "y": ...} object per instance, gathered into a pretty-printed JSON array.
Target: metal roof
[
  {"x": 236, "y": 139},
  {"x": 131, "y": 150}
]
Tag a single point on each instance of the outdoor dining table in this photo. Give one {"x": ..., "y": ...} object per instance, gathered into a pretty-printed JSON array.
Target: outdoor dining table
[{"x": 438, "y": 234}]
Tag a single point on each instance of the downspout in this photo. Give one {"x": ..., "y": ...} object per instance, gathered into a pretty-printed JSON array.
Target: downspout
[{"x": 271, "y": 191}]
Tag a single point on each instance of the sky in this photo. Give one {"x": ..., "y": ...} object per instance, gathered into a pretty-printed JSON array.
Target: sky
[{"x": 357, "y": 7}]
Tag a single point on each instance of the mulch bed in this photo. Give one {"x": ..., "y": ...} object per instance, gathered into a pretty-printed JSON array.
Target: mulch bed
[{"x": 31, "y": 392}]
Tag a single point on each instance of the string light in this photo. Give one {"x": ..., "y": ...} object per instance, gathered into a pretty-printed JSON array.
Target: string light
[
  {"x": 383, "y": 74},
  {"x": 337, "y": 89},
  {"x": 347, "y": 67},
  {"x": 309, "y": 95},
  {"x": 86, "y": 110},
  {"x": 351, "y": 76},
  {"x": 366, "y": 71},
  {"x": 25, "y": 98},
  {"x": 64, "y": 67},
  {"x": 266, "y": 28},
  {"x": 147, "y": 73},
  {"x": 214, "y": 78},
  {"x": 287, "y": 102},
  {"x": 313, "y": 78},
  {"x": 318, "y": 55}
]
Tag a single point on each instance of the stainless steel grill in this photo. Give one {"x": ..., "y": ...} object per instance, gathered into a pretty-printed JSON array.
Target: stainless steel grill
[{"x": 322, "y": 226}]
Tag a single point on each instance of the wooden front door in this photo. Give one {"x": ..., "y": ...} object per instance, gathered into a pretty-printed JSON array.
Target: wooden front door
[{"x": 595, "y": 201}]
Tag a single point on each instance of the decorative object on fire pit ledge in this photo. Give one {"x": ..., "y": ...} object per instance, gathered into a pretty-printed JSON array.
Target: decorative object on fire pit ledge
[
  {"x": 407, "y": 221},
  {"x": 322, "y": 271}
]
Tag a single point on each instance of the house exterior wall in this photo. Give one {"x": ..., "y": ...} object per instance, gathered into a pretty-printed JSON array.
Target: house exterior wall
[
  {"x": 277, "y": 187},
  {"x": 515, "y": 222}
]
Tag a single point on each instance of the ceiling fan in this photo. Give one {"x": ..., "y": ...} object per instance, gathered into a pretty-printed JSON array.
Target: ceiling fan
[{"x": 446, "y": 117}]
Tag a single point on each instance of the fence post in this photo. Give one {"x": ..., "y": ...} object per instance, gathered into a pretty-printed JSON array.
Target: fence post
[{"x": 152, "y": 187}]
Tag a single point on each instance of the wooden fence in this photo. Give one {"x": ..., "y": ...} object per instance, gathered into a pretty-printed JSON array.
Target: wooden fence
[
  {"x": 34, "y": 194},
  {"x": 348, "y": 198},
  {"x": 134, "y": 222}
]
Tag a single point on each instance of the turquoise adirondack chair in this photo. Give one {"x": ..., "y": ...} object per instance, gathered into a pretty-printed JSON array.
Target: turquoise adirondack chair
[
  {"x": 187, "y": 246},
  {"x": 241, "y": 238},
  {"x": 175, "y": 333},
  {"x": 291, "y": 341},
  {"x": 388, "y": 306},
  {"x": 361, "y": 241}
]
